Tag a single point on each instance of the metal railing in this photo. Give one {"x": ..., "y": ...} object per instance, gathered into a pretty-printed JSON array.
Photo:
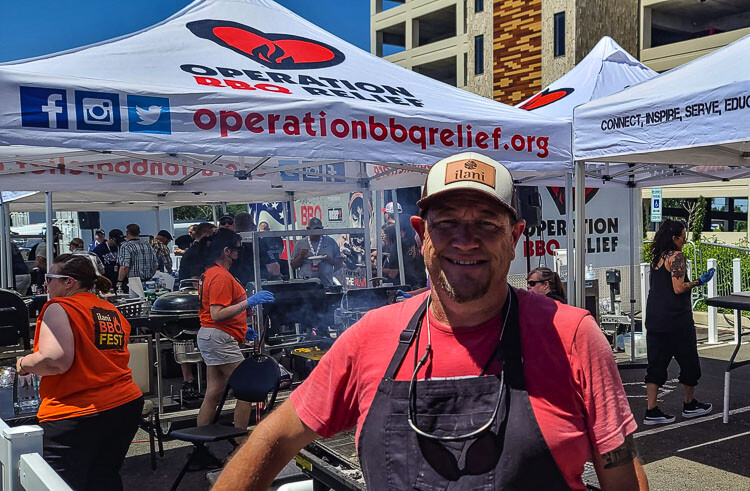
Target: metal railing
[{"x": 21, "y": 461}]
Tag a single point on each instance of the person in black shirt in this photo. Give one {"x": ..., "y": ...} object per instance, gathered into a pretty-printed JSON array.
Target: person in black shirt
[
  {"x": 36, "y": 251},
  {"x": 21, "y": 276},
  {"x": 243, "y": 268},
  {"x": 182, "y": 243},
  {"x": 670, "y": 330},
  {"x": 414, "y": 270},
  {"x": 192, "y": 264},
  {"x": 107, "y": 252},
  {"x": 546, "y": 282}
]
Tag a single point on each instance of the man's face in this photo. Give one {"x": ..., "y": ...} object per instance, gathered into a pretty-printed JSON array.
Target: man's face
[
  {"x": 191, "y": 232},
  {"x": 469, "y": 242},
  {"x": 162, "y": 239}
]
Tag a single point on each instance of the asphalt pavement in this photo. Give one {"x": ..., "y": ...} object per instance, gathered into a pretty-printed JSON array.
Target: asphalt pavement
[{"x": 698, "y": 454}]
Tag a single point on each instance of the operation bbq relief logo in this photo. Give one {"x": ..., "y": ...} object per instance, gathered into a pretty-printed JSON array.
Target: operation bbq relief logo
[
  {"x": 108, "y": 332},
  {"x": 283, "y": 56}
]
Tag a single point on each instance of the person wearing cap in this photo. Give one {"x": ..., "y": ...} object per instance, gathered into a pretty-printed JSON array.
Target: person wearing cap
[
  {"x": 99, "y": 237},
  {"x": 107, "y": 252},
  {"x": 227, "y": 221},
  {"x": 472, "y": 385},
  {"x": 388, "y": 216},
  {"x": 317, "y": 256},
  {"x": 161, "y": 249}
]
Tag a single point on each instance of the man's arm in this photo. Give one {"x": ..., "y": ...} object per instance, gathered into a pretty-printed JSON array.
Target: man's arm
[
  {"x": 620, "y": 469},
  {"x": 271, "y": 445}
]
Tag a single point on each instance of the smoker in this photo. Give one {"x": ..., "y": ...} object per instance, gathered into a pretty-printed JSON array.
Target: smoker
[{"x": 298, "y": 302}]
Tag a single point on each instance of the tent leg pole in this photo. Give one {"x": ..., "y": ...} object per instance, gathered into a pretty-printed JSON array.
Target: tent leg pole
[
  {"x": 8, "y": 246},
  {"x": 631, "y": 200},
  {"x": 158, "y": 219},
  {"x": 366, "y": 222},
  {"x": 569, "y": 224},
  {"x": 289, "y": 222},
  {"x": 580, "y": 234},
  {"x": 397, "y": 216},
  {"x": 49, "y": 235},
  {"x": 378, "y": 235},
  {"x": 4, "y": 239},
  {"x": 213, "y": 213}
]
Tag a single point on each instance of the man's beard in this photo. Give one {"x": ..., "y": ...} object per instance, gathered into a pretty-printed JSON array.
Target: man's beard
[{"x": 475, "y": 293}]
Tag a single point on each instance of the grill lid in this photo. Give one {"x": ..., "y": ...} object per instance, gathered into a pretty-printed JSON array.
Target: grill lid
[{"x": 182, "y": 302}]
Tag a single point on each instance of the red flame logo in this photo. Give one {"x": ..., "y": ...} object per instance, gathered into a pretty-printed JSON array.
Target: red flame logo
[
  {"x": 272, "y": 50},
  {"x": 544, "y": 98},
  {"x": 558, "y": 196}
]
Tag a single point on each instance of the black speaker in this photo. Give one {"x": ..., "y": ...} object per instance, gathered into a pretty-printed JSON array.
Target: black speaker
[
  {"x": 530, "y": 204},
  {"x": 88, "y": 220}
]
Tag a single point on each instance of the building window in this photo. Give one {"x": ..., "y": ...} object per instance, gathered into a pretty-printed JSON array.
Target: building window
[
  {"x": 560, "y": 34},
  {"x": 479, "y": 54},
  {"x": 478, "y": 5}
]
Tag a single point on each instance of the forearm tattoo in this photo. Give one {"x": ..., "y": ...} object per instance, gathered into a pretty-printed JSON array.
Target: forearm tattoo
[
  {"x": 679, "y": 265},
  {"x": 622, "y": 455}
]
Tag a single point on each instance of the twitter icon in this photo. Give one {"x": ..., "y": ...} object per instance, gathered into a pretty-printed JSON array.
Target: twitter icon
[{"x": 149, "y": 114}]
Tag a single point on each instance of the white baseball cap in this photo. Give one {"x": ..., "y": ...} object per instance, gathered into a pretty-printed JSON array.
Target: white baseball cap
[
  {"x": 389, "y": 208},
  {"x": 473, "y": 172}
]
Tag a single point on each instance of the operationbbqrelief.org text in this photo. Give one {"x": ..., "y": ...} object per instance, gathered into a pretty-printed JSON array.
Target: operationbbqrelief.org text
[{"x": 459, "y": 136}]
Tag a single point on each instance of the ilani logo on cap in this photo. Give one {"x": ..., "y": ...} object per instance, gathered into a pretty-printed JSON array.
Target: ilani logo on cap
[{"x": 470, "y": 170}]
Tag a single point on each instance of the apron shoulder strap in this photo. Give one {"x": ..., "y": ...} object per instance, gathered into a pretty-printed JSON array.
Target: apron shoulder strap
[
  {"x": 405, "y": 340},
  {"x": 511, "y": 347}
]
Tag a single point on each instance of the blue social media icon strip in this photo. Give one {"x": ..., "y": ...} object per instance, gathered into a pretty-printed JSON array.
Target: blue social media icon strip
[
  {"x": 97, "y": 111},
  {"x": 148, "y": 114},
  {"x": 44, "y": 108}
]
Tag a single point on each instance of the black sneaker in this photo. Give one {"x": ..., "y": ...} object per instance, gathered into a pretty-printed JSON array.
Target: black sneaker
[
  {"x": 693, "y": 409},
  {"x": 656, "y": 416},
  {"x": 190, "y": 391}
]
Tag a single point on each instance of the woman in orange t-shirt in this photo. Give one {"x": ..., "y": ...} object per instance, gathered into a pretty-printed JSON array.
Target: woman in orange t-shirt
[
  {"x": 223, "y": 315},
  {"x": 90, "y": 405}
]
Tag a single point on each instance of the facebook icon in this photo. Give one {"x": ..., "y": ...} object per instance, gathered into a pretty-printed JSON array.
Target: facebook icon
[{"x": 44, "y": 108}]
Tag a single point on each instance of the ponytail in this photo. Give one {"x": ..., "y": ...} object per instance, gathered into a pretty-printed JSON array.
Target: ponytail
[{"x": 102, "y": 284}]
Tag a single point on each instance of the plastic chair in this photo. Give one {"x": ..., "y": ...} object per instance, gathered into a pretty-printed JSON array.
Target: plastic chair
[{"x": 251, "y": 381}]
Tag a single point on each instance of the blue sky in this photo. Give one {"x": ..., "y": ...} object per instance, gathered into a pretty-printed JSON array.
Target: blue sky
[{"x": 36, "y": 27}]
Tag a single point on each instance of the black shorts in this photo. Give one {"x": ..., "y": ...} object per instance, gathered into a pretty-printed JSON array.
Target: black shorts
[
  {"x": 88, "y": 451},
  {"x": 680, "y": 345}
]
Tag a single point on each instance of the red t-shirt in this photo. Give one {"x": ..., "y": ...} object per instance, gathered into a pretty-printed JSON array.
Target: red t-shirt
[
  {"x": 219, "y": 287},
  {"x": 571, "y": 376}
]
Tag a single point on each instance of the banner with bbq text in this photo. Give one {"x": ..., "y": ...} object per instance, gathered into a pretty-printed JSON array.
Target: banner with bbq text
[{"x": 236, "y": 78}]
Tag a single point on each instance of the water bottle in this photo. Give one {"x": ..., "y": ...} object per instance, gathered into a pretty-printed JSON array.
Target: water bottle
[
  {"x": 119, "y": 289},
  {"x": 590, "y": 272},
  {"x": 27, "y": 393}
]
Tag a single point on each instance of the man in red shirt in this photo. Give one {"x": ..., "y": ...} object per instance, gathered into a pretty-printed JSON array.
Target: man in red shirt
[{"x": 472, "y": 385}]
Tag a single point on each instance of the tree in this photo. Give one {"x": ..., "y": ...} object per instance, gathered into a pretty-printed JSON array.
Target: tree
[{"x": 697, "y": 218}]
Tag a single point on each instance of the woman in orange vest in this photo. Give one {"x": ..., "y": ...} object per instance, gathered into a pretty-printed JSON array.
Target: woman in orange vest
[
  {"x": 90, "y": 405},
  {"x": 223, "y": 315}
]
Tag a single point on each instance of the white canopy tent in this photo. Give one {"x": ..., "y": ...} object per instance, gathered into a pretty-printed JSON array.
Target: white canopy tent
[
  {"x": 218, "y": 98},
  {"x": 688, "y": 124},
  {"x": 605, "y": 70}
]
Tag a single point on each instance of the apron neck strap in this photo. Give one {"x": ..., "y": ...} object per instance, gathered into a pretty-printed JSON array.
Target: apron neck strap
[{"x": 405, "y": 340}]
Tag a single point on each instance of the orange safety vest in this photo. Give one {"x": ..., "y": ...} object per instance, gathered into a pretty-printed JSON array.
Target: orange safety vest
[{"x": 99, "y": 378}]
